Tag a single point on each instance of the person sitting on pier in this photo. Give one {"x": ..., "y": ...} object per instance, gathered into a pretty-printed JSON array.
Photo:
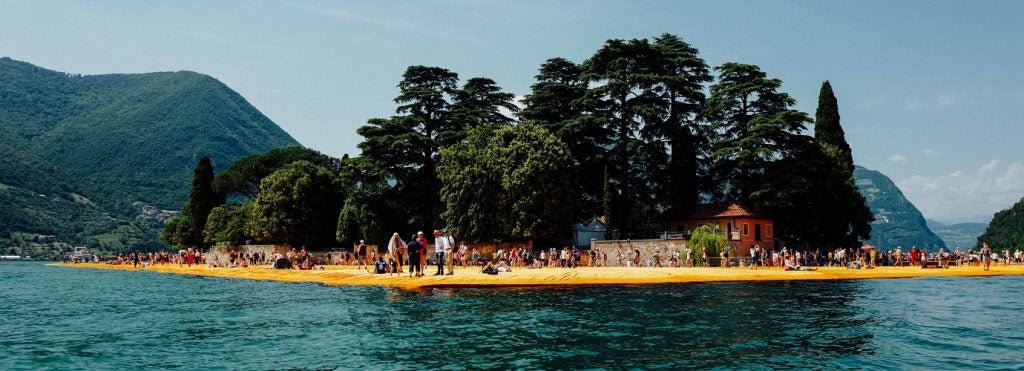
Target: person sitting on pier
[
  {"x": 791, "y": 264},
  {"x": 489, "y": 269}
]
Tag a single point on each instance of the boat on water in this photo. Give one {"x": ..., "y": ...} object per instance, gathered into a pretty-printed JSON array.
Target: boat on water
[
  {"x": 80, "y": 254},
  {"x": 10, "y": 257}
]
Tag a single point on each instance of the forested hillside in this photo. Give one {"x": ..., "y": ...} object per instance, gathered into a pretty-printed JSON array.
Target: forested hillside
[
  {"x": 897, "y": 221},
  {"x": 96, "y": 147}
]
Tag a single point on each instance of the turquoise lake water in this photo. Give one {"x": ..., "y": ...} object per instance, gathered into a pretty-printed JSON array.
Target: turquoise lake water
[{"x": 67, "y": 318}]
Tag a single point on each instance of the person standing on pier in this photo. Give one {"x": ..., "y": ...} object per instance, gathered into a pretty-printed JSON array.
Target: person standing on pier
[
  {"x": 449, "y": 252},
  {"x": 415, "y": 249},
  {"x": 439, "y": 248},
  {"x": 986, "y": 256}
]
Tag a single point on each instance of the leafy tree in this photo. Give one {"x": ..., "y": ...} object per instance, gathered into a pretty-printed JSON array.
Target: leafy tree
[
  {"x": 1006, "y": 230},
  {"x": 532, "y": 180},
  {"x": 298, "y": 205},
  {"x": 556, "y": 102},
  {"x": 372, "y": 205},
  {"x": 227, "y": 224},
  {"x": 242, "y": 178},
  {"x": 408, "y": 145},
  {"x": 706, "y": 237},
  {"x": 201, "y": 200},
  {"x": 471, "y": 189},
  {"x": 503, "y": 184},
  {"x": 432, "y": 114},
  {"x": 178, "y": 231}
]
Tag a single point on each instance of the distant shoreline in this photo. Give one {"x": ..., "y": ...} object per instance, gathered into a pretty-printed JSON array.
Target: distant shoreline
[{"x": 554, "y": 277}]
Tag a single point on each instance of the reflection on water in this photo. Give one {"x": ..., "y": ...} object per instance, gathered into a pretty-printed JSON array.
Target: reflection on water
[{"x": 76, "y": 318}]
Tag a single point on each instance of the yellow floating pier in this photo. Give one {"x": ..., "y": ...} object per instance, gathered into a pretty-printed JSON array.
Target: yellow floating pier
[{"x": 471, "y": 277}]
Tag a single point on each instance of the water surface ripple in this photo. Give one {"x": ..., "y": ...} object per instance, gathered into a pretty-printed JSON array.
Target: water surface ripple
[{"x": 64, "y": 318}]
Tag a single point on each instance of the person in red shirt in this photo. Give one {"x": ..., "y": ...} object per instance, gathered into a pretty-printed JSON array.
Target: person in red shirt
[{"x": 423, "y": 252}]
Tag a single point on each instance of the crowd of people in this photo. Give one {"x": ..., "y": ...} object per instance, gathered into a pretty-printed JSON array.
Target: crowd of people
[{"x": 415, "y": 253}]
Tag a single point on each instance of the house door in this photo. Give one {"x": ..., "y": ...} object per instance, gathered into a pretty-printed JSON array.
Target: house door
[{"x": 757, "y": 232}]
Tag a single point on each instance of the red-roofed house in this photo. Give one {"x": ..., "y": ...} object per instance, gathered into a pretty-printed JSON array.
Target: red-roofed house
[{"x": 744, "y": 227}]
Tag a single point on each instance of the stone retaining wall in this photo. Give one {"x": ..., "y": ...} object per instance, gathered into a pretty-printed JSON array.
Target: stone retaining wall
[{"x": 624, "y": 249}]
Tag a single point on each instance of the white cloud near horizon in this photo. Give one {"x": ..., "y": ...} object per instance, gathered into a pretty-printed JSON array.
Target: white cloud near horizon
[
  {"x": 930, "y": 153},
  {"x": 960, "y": 194},
  {"x": 898, "y": 158}
]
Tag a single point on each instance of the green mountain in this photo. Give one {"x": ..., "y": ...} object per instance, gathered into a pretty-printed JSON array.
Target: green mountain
[
  {"x": 964, "y": 235},
  {"x": 897, "y": 221},
  {"x": 80, "y": 155}
]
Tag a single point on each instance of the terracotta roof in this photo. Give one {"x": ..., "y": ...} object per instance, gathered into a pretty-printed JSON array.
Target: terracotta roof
[{"x": 719, "y": 210}]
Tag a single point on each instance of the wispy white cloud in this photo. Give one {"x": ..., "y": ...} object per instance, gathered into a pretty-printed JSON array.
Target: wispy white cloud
[
  {"x": 963, "y": 97},
  {"x": 987, "y": 168},
  {"x": 383, "y": 22},
  {"x": 992, "y": 187},
  {"x": 930, "y": 153},
  {"x": 898, "y": 158}
]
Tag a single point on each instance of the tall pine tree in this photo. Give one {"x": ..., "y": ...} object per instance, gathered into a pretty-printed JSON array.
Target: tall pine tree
[
  {"x": 556, "y": 102},
  {"x": 682, "y": 75}
]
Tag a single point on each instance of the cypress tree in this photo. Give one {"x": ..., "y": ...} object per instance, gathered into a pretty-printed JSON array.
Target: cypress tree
[
  {"x": 847, "y": 217},
  {"x": 201, "y": 200},
  {"x": 829, "y": 133}
]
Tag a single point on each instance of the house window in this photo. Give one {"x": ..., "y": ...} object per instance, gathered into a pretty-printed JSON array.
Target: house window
[
  {"x": 746, "y": 229},
  {"x": 768, "y": 230}
]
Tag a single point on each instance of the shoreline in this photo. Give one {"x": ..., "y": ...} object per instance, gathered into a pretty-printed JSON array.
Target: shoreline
[{"x": 555, "y": 277}]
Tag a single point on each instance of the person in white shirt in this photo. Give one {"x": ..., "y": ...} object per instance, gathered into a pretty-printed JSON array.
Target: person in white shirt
[
  {"x": 449, "y": 246},
  {"x": 439, "y": 247}
]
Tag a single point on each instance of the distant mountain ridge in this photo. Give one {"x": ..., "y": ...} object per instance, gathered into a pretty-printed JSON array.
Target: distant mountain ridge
[
  {"x": 964, "y": 235},
  {"x": 897, "y": 221},
  {"x": 108, "y": 142}
]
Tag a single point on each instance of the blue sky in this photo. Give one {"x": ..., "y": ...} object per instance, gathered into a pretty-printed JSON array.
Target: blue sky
[{"x": 930, "y": 92}]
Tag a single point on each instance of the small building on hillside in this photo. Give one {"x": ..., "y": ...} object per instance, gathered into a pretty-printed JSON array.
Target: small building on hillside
[{"x": 743, "y": 227}]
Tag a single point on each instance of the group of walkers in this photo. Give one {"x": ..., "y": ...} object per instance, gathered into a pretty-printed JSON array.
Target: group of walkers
[
  {"x": 412, "y": 255},
  {"x": 869, "y": 257}
]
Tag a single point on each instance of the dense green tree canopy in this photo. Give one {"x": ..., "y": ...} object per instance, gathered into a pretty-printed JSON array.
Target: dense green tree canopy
[
  {"x": 754, "y": 125},
  {"x": 433, "y": 113},
  {"x": 1006, "y": 230},
  {"x": 504, "y": 184},
  {"x": 227, "y": 225},
  {"x": 556, "y": 102},
  {"x": 178, "y": 232},
  {"x": 242, "y": 178},
  {"x": 479, "y": 102},
  {"x": 297, "y": 204}
]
